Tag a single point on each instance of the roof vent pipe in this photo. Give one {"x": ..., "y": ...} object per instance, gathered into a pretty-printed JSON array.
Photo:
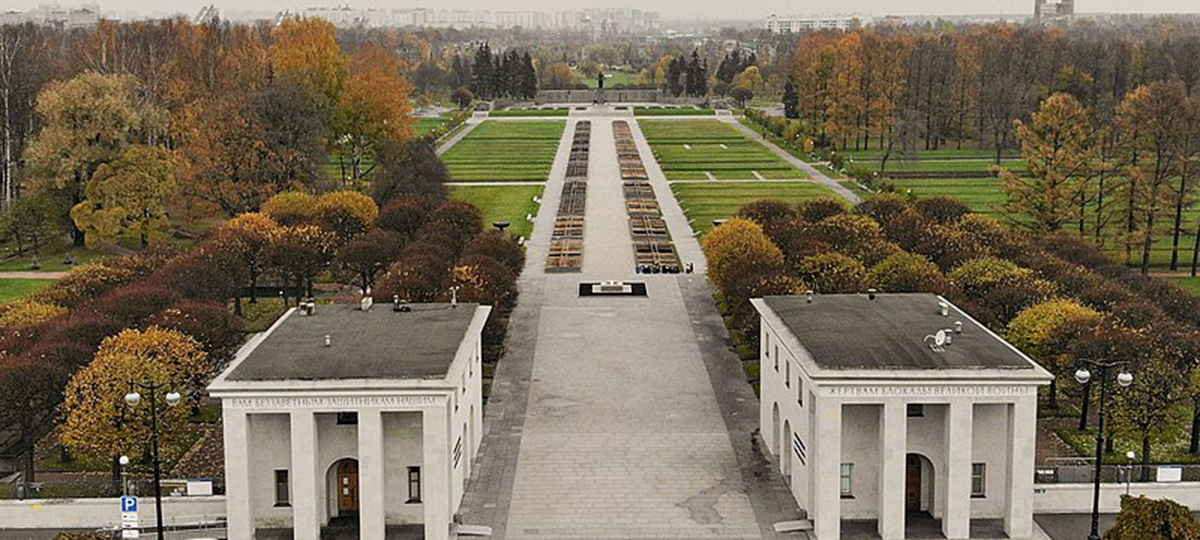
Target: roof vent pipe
[
  {"x": 808, "y": 296},
  {"x": 944, "y": 309},
  {"x": 958, "y": 327},
  {"x": 871, "y": 294},
  {"x": 395, "y": 302},
  {"x": 328, "y": 340}
]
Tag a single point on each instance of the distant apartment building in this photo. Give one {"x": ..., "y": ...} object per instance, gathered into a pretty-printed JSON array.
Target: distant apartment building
[
  {"x": 599, "y": 21},
  {"x": 55, "y": 15},
  {"x": 1048, "y": 11},
  {"x": 791, "y": 24}
]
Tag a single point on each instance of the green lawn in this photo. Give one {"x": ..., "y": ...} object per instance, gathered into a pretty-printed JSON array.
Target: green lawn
[
  {"x": 529, "y": 112},
  {"x": 426, "y": 124},
  {"x": 983, "y": 195},
  {"x": 943, "y": 154},
  {"x": 705, "y": 201},
  {"x": 51, "y": 259},
  {"x": 688, "y": 149},
  {"x": 672, "y": 111},
  {"x": 503, "y": 203},
  {"x": 1189, "y": 284},
  {"x": 505, "y": 152},
  {"x": 16, "y": 288},
  {"x": 978, "y": 166}
]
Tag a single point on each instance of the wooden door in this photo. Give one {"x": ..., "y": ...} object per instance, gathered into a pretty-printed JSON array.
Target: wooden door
[
  {"x": 347, "y": 474},
  {"x": 912, "y": 499}
]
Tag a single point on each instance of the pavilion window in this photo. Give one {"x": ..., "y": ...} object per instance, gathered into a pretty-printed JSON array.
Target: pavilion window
[
  {"x": 281, "y": 488},
  {"x": 347, "y": 418},
  {"x": 847, "y": 480},
  {"x": 978, "y": 479},
  {"x": 799, "y": 391},
  {"x": 787, "y": 376},
  {"x": 777, "y": 358},
  {"x": 916, "y": 410},
  {"x": 414, "y": 484}
]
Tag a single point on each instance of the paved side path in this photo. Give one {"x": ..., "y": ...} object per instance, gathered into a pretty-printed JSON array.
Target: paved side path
[
  {"x": 471, "y": 123},
  {"x": 32, "y": 274},
  {"x": 812, "y": 171}
]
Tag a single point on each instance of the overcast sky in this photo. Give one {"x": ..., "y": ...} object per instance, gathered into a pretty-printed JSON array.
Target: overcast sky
[{"x": 674, "y": 9}]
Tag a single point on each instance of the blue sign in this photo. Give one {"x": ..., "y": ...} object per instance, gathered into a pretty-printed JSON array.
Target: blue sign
[{"x": 129, "y": 504}]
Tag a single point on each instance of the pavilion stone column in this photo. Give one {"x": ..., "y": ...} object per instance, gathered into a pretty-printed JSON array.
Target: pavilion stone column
[
  {"x": 371, "y": 474},
  {"x": 893, "y": 451},
  {"x": 308, "y": 486},
  {"x": 435, "y": 471},
  {"x": 827, "y": 469},
  {"x": 239, "y": 510},
  {"x": 956, "y": 522},
  {"x": 1022, "y": 436}
]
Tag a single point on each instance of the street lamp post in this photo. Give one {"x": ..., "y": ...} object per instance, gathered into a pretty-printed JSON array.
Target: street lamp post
[
  {"x": 173, "y": 399},
  {"x": 123, "y": 462},
  {"x": 1082, "y": 376}
]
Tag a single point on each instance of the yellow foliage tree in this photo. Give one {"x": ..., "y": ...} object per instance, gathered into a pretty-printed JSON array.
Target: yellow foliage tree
[
  {"x": 345, "y": 213},
  {"x": 100, "y": 425},
  {"x": 737, "y": 239},
  {"x": 128, "y": 197},
  {"x": 291, "y": 208},
  {"x": 1037, "y": 330},
  {"x": 306, "y": 50},
  {"x": 373, "y": 108}
]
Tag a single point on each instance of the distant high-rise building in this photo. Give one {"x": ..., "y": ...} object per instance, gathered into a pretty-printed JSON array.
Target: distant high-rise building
[{"x": 1044, "y": 10}]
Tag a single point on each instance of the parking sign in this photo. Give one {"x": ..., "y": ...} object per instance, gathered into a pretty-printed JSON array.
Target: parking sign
[{"x": 129, "y": 504}]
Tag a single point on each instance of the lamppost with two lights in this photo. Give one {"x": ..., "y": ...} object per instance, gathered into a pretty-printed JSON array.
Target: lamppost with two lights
[
  {"x": 173, "y": 399},
  {"x": 1082, "y": 376}
]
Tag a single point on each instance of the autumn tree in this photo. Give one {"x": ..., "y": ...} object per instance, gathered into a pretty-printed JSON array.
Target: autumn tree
[
  {"x": 368, "y": 254},
  {"x": 31, "y": 221},
  {"x": 306, "y": 50},
  {"x": 737, "y": 240},
  {"x": 99, "y": 424},
  {"x": 1153, "y": 116},
  {"x": 346, "y": 214},
  {"x": 248, "y": 238},
  {"x": 291, "y": 208},
  {"x": 373, "y": 108},
  {"x": 128, "y": 197},
  {"x": 410, "y": 167},
  {"x": 298, "y": 253},
  {"x": 1038, "y": 330},
  {"x": 248, "y": 145},
  {"x": 89, "y": 121},
  {"x": 1059, "y": 146},
  {"x": 906, "y": 272}
]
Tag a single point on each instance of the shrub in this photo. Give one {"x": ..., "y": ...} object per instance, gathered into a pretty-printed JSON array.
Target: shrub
[
  {"x": 132, "y": 304},
  {"x": 978, "y": 276},
  {"x": 820, "y": 209},
  {"x": 833, "y": 273},
  {"x": 1041, "y": 331},
  {"x": 210, "y": 323},
  {"x": 857, "y": 236},
  {"x": 882, "y": 208},
  {"x": 23, "y": 313},
  {"x": 484, "y": 280},
  {"x": 943, "y": 210},
  {"x": 84, "y": 283},
  {"x": 767, "y": 211},
  {"x": 907, "y": 272},
  {"x": 291, "y": 208},
  {"x": 500, "y": 247},
  {"x": 1142, "y": 518}
]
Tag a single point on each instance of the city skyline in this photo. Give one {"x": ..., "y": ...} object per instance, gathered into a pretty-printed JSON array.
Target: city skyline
[{"x": 670, "y": 9}]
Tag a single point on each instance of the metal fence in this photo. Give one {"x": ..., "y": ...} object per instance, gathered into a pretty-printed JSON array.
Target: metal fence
[{"x": 1083, "y": 471}]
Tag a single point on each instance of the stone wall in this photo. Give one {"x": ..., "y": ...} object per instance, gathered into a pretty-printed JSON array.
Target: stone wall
[
  {"x": 1077, "y": 498},
  {"x": 106, "y": 512}
]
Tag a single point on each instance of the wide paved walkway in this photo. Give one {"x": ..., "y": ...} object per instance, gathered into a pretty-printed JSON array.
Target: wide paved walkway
[{"x": 604, "y": 421}]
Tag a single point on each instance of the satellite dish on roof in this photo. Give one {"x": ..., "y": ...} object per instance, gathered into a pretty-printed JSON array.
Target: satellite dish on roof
[{"x": 939, "y": 338}]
